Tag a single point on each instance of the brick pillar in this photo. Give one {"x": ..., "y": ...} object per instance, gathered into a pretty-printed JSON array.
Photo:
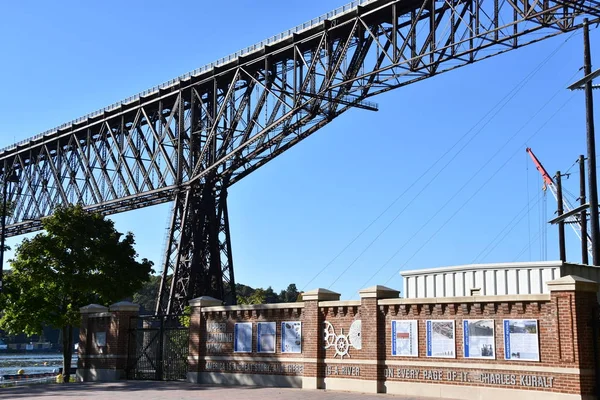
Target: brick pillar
[
  {"x": 94, "y": 319},
  {"x": 197, "y": 349},
  {"x": 576, "y": 308},
  {"x": 372, "y": 336},
  {"x": 124, "y": 318},
  {"x": 103, "y": 341},
  {"x": 313, "y": 349}
]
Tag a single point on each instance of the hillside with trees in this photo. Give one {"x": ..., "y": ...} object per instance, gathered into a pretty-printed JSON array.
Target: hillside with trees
[{"x": 146, "y": 296}]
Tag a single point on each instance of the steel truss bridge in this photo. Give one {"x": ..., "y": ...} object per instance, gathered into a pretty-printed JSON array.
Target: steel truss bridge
[{"x": 188, "y": 140}]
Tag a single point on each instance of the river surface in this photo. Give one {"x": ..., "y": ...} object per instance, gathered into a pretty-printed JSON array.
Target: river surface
[{"x": 32, "y": 363}]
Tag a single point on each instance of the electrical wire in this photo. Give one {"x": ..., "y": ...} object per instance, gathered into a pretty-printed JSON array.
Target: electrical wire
[
  {"x": 472, "y": 177},
  {"x": 536, "y": 237},
  {"x": 512, "y": 225},
  {"x": 502, "y": 103},
  {"x": 480, "y": 188}
]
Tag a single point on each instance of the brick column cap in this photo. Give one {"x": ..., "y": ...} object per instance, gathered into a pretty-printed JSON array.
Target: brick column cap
[
  {"x": 379, "y": 292},
  {"x": 93, "y": 309},
  {"x": 320, "y": 294},
  {"x": 572, "y": 283},
  {"x": 205, "y": 301},
  {"x": 125, "y": 306}
]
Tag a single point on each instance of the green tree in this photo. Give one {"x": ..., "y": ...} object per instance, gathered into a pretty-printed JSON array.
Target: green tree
[
  {"x": 146, "y": 296},
  {"x": 80, "y": 259},
  {"x": 257, "y": 297},
  {"x": 271, "y": 296},
  {"x": 10, "y": 207},
  {"x": 290, "y": 295}
]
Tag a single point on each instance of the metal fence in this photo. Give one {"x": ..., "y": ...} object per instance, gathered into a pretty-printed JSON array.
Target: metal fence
[{"x": 158, "y": 349}]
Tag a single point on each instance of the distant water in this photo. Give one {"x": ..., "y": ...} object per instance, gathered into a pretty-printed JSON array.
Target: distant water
[{"x": 32, "y": 363}]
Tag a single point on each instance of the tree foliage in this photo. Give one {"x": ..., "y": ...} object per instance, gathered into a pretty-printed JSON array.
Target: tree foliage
[
  {"x": 146, "y": 296},
  {"x": 248, "y": 295},
  {"x": 80, "y": 259}
]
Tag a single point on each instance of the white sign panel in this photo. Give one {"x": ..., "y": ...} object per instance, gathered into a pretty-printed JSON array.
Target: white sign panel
[
  {"x": 265, "y": 337},
  {"x": 242, "y": 337},
  {"x": 521, "y": 340},
  {"x": 440, "y": 338},
  {"x": 478, "y": 338},
  {"x": 291, "y": 337},
  {"x": 405, "y": 338},
  {"x": 100, "y": 339}
]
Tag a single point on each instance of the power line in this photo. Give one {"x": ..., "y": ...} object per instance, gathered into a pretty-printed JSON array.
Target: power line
[
  {"x": 479, "y": 189},
  {"x": 475, "y": 174},
  {"x": 502, "y": 103},
  {"x": 512, "y": 225},
  {"x": 537, "y": 235}
]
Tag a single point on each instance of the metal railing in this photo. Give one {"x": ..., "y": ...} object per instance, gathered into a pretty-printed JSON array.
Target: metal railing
[
  {"x": 224, "y": 60},
  {"x": 32, "y": 381}
]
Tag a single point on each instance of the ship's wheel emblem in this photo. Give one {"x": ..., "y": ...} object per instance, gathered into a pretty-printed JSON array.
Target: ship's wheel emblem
[{"x": 342, "y": 342}]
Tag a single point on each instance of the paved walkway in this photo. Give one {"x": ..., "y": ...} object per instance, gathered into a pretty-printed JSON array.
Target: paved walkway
[{"x": 138, "y": 390}]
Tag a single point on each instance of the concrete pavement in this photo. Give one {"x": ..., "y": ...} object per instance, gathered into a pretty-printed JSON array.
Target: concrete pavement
[{"x": 145, "y": 390}]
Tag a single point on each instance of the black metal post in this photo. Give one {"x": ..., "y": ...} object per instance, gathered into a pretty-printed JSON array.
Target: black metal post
[
  {"x": 561, "y": 224},
  {"x": 591, "y": 145},
  {"x": 583, "y": 216},
  {"x": 2, "y": 233}
]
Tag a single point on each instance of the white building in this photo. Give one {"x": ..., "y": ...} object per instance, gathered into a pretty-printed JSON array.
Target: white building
[{"x": 491, "y": 279}]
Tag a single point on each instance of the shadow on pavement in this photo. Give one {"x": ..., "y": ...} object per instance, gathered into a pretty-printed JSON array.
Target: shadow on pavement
[{"x": 76, "y": 389}]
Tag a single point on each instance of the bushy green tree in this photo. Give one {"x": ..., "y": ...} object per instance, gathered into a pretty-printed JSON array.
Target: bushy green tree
[
  {"x": 290, "y": 295},
  {"x": 80, "y": 259},
  {"x": 146, "y": 296}
]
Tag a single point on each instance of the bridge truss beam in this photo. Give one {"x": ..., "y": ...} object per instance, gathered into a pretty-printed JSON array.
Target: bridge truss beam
[{"x": 189, "y": 141}]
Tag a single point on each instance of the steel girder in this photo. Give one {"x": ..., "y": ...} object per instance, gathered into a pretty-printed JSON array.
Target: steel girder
[
  {"x": 195, "y": 137},
  {"x": 198, "y": 257}
]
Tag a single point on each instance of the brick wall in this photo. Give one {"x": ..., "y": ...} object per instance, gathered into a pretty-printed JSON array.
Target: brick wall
[
  {"x": 104, "y": 340},
  {"x": 214, "y": 340},
  {"x": 349, "y": 345},
  {"x": 332, "y": 359}
]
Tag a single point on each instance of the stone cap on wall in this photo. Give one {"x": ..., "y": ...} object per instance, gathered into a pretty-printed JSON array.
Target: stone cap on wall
[
  {"x": 379, "y": 292},
  {"x": 320, "y": 294},
  {"x": 571, "y": 283},
  {"x": 205, "y": 301},
  {"x": 93, "y": 309},
  {"x": 124, "y": 306}
]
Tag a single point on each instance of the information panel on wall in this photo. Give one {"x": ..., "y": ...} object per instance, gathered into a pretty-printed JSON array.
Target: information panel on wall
[
  {"x": 405, "y": 338},
  {"x": 478, "y": 338},
  {"x": 440, "y": 338},
  {"x": 291, "y": 337},
  {"x": 100, "y": 339},
  {"x": 265, "y": 337},
  {"x": 521, "y": 340},
  {"x": 242, "y": 337}
]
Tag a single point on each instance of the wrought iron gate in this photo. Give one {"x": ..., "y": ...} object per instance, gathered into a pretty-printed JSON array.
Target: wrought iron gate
[{"x": 158, "y": 349}]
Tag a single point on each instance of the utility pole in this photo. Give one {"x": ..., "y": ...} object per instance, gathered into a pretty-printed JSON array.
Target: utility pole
[
  {"x": 591, "y": 145},
  {"x": 583, "y": 215},
  {"x": 561, "y": 225}
]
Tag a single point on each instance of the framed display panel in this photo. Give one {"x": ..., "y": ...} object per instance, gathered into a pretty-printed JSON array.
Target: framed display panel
[
  {"x": 479, "y": 340},
  {"x": 291, "y": 337},
  {"x": 265, "y": 337},
  {"x": 441, "y": 338},
  {"x": 242, "y": 337},
  {"x": 521, "y": 340},
  {"x": 405, "y": 338}
]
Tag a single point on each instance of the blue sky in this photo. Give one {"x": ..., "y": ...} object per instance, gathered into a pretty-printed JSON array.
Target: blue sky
[{"x": 292, "y": 217}]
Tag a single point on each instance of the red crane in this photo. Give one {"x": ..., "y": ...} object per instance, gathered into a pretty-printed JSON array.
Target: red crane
[{"x": 549, "y": 183}]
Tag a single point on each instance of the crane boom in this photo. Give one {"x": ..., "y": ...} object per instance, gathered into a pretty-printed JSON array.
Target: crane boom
[
  {"x": 547, "y": 179},
  {"x": 549, "y": 183}
]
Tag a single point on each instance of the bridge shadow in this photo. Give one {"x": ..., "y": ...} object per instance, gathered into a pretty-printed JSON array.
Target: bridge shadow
[{"x": 104, "y": 389}]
